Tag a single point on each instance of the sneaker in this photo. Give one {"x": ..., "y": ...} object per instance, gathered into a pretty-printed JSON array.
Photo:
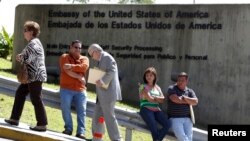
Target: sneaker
[
  {"x": 12, "y": 121},
  {"x": 81, "y": 136},
  {"x": 39, "y": 128},
  {"x": 67, "y": 132}
]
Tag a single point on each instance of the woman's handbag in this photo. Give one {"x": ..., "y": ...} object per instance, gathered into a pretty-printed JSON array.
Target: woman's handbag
[{"x": 22, "y": 75}]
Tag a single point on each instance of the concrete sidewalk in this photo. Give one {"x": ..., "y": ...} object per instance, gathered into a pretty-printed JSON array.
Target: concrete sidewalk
[{"x": 23, "y": 133}]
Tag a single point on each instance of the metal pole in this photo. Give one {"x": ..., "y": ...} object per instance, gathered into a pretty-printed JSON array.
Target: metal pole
[
  {"x": 193, "y": 1},
  {"x": 128, "y": 136}
]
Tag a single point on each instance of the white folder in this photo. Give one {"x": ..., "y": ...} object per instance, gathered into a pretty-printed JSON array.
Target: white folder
[{"x": 96, "y": 74}]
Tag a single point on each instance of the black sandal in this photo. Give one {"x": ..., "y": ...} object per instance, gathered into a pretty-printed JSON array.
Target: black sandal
[
  {"x": 12, "y": 122},
  {"x": 39, "y": 128}
]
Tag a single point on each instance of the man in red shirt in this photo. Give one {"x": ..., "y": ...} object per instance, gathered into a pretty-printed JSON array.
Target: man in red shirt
[{"x": 73, "y": 68}]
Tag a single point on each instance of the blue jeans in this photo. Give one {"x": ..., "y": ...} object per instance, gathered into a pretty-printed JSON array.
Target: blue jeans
[
  {"x": 151, "y": 118},
  {"x": 182, "y": 128},
  {"x": 79, "y": 99}
]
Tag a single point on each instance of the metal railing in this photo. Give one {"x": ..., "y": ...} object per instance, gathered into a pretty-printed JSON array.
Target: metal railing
[{"x": 129, "y": 119}]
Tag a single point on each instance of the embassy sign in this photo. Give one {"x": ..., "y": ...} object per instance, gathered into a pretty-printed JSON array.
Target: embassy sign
[
  {"x": 209, "y": 42},
  {"x": 138, "y": 20},
  {"x": 132, "y": 14}
]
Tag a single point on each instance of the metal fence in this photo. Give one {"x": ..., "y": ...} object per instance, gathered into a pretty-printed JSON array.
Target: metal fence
[{"x": 129, "y": 119}]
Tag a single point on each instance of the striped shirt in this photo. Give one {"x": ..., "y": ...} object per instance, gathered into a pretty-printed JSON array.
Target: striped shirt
[
  {"x": 33, "y": 57},
  {"x": 154, "y": 106},
  {"x": 179, "y": 110}
]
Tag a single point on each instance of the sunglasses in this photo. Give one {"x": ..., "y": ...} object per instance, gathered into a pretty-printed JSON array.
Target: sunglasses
[{"x": 76, "y": 47}]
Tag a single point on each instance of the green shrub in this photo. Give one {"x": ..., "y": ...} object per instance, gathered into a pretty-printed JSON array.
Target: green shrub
[{"x": 6, "y": 43}]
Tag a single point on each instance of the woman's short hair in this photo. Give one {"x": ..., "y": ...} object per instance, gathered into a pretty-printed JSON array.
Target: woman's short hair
[
  {"x": 150, "y": 70},
  {"x": 32, "y": 26}
]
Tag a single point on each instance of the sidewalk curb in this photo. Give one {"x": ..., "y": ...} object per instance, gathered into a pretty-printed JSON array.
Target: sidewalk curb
[
  {"x": 23, "y": 133},
  {"x": 15, "y": 134}
]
